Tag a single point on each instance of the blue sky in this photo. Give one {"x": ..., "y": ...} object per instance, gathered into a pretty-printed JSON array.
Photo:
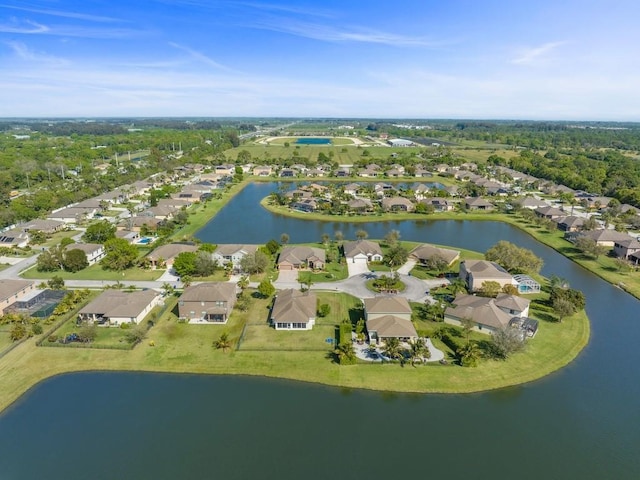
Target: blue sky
[{"x": 549, "y": 59}]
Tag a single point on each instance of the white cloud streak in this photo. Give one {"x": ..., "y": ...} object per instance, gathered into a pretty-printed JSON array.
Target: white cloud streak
[
  {"x": 24, "y": 53},
  {"x": 199, "y": 56},
  {"x": 330, "y": 34},
  {"x": 61, "y": 13},
  {"x": 534, "y": 55},
  {"x": 24, "y": 27}
]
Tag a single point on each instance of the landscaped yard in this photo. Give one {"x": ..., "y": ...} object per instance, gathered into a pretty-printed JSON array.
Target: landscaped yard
[
  {"x": 259, "y": 335},
  {"x": 95, "y": 272}
]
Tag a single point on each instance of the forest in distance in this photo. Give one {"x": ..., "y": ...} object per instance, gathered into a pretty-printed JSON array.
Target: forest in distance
[{"x": 49, "y": 163}]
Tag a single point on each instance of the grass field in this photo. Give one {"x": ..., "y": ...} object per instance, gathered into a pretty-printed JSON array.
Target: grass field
[{"x": 95, "y": 272}]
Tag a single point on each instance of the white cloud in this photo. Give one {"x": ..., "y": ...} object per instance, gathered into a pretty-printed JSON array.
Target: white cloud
[
  {"x": 535, "y": 55},
  {"x": 332, "y": 34},
  {"x": 24, "y": 53},
  {"x": 61, "y": 13},
  {"x": 199, "y": 56},
  {"x": 23, "y": 26}
]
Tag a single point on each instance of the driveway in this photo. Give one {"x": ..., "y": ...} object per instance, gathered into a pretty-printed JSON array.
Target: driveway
[
  {"x": 287, "y": 279},
  {"x": 357, "y": 268},
  {"x": 407, "y": 267}
]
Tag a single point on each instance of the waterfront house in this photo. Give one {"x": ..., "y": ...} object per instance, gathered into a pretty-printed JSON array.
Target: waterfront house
[
  {"x": 232, "y": 253},
  {"x": 397, "y": 204},
  {"x": 475, "y": 272},
  {"x": 210, "y": 302},
  {"x": 362, "y": 251},
  {"x": 294, "y": 310},
  {"x": 487, "y": 314},
  {"x": 388, "y": 317},
  {"x": 301, "y": 256},
  {"x": 167, "y": 253},
  {"x": 477, "y": 203},
  {"x": 425, "y": 252}
]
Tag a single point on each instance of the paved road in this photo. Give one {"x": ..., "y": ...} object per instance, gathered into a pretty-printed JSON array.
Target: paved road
[{"x": 416, "y": 290}]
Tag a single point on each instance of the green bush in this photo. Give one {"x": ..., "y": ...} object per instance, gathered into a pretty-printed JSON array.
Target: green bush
[
  {"x": 52, "y": 338},
  {"x": 125, "y": 326},
  {"x": 37, "y": 329}
]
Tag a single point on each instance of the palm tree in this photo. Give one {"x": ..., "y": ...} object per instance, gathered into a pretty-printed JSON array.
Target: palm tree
[
  {"x": 325, "y": 238},
  {"x": 243, "y": 282},
  {"x": 361, "y": 234},
  {"x": 418, "y": 350},
  {"x": 458, "y": 286},
  {"x": 167, "y": 288},
  {"x": 469, "y": 354},
  {"x": 345, "y": 352},
  {"x": 392, "y": 348},
  {"x": 223, "y": 343},
  {"x": 558, "y": 282}
]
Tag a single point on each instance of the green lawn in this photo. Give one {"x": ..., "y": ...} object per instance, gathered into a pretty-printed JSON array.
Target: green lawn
[
  {"x": 5, "y": 340},
  {"x": 95, "y": 272},
  {"x": 333, "y": 271}
]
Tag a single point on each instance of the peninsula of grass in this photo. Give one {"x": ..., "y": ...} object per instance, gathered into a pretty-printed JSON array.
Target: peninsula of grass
[
  {"x": 95, "y": 272},
  {"x": 185, "y": 348}
]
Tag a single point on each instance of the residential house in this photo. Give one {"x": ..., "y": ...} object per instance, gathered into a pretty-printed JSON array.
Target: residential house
[
  {"x": 94, "y": 251},
  {"x": 138, "y": 222},
  {"x": 422, "y": 172},
  {"x": 116, "y": 307},
  {"x": 360, "y": 205},
  {"x": 263, "y": 171},
  {"x": 73, "y": 215},
  {"x": 388, "y": 317},
  {"x": 626, "y": 248},
  {"x": 477, "y": 203},
  {"x": 232, "y": 253},
  {"x": 45, "y": 226},
  {"x": 606, "y": 238},
  {"x": 15, "y": 237},
  {"x": 549, "y": 212},
  {"x": 300, "y": 256},
  {"x": 305, "y": 205},
  {"x": 12, "y": 291},
  {"x": 167, "y": 253},
  {"x": 131, "y": 236},
  {"x": 210, "y": 302},
  {"x": 352, "y": 189},
  {"x": 362, "y": 251},
  {"x": 397, "y": 204},
  {"x": 439, "y": 204},
  {"x": 287, "y": 172},
  {"x": 570, "y": 223},
  {"x": 475, "y": 272},
  {"x": 487, "y": 314},
  {"x": 294, "y": 310},
  {"x": 421, "y": 191},
  {"x": 425, "y": 252},
  {"x": 368, "y": 173},
  {"x": 531, "y": 203}
]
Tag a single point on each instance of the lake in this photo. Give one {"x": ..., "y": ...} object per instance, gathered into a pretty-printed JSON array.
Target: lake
[{"x": 581, "y": 422}]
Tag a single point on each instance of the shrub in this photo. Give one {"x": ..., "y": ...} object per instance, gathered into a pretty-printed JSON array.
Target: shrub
[
  {"x": 52, "y": 338},
  {"x": 324, "y": 310},
  {"x": 37, "y": 329},
  {"x": 125, "y": 326}
]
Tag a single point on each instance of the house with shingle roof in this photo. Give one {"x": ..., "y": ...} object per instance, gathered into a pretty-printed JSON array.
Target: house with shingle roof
[
  {"x": 294, "y": 310},
  {"x": 209, "y": 302},
  {"x": 425, "y": 252},
  {"x": 301, "y": 256},
  {"x": 487, "y": 314},
  {"x": 388, "y": 317},
  {"x": 626, "y": 248},
  {"x": 94, "y": 251},
  {"x": 167, "y": 253},
  {"x": 12, "y": 291},
  {"x": 475, "y": 272},
  {"x": 115, "y": 307},
  {"x": 397, "y": 204},
  {"x": 362, "y": 251},
  {"x": 477, "y": 203},
  {"x": 232, "y": 253}
]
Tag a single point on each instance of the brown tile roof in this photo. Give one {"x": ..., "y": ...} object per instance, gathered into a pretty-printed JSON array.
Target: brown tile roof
[{"x": 391, "y": 326}]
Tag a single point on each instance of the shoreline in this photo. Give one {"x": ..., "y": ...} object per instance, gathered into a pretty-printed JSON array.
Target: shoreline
[{"x": 27, "y": 365}]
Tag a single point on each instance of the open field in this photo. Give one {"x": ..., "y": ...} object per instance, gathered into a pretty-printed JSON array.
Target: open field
[{"x": 344, "y": 155}]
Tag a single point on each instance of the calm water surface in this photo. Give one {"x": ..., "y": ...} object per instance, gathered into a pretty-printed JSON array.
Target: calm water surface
[{"x": 582, "y": 422}]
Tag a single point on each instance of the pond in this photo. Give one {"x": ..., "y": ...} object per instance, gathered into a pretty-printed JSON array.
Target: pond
[{"x": 581, "y": 422}]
